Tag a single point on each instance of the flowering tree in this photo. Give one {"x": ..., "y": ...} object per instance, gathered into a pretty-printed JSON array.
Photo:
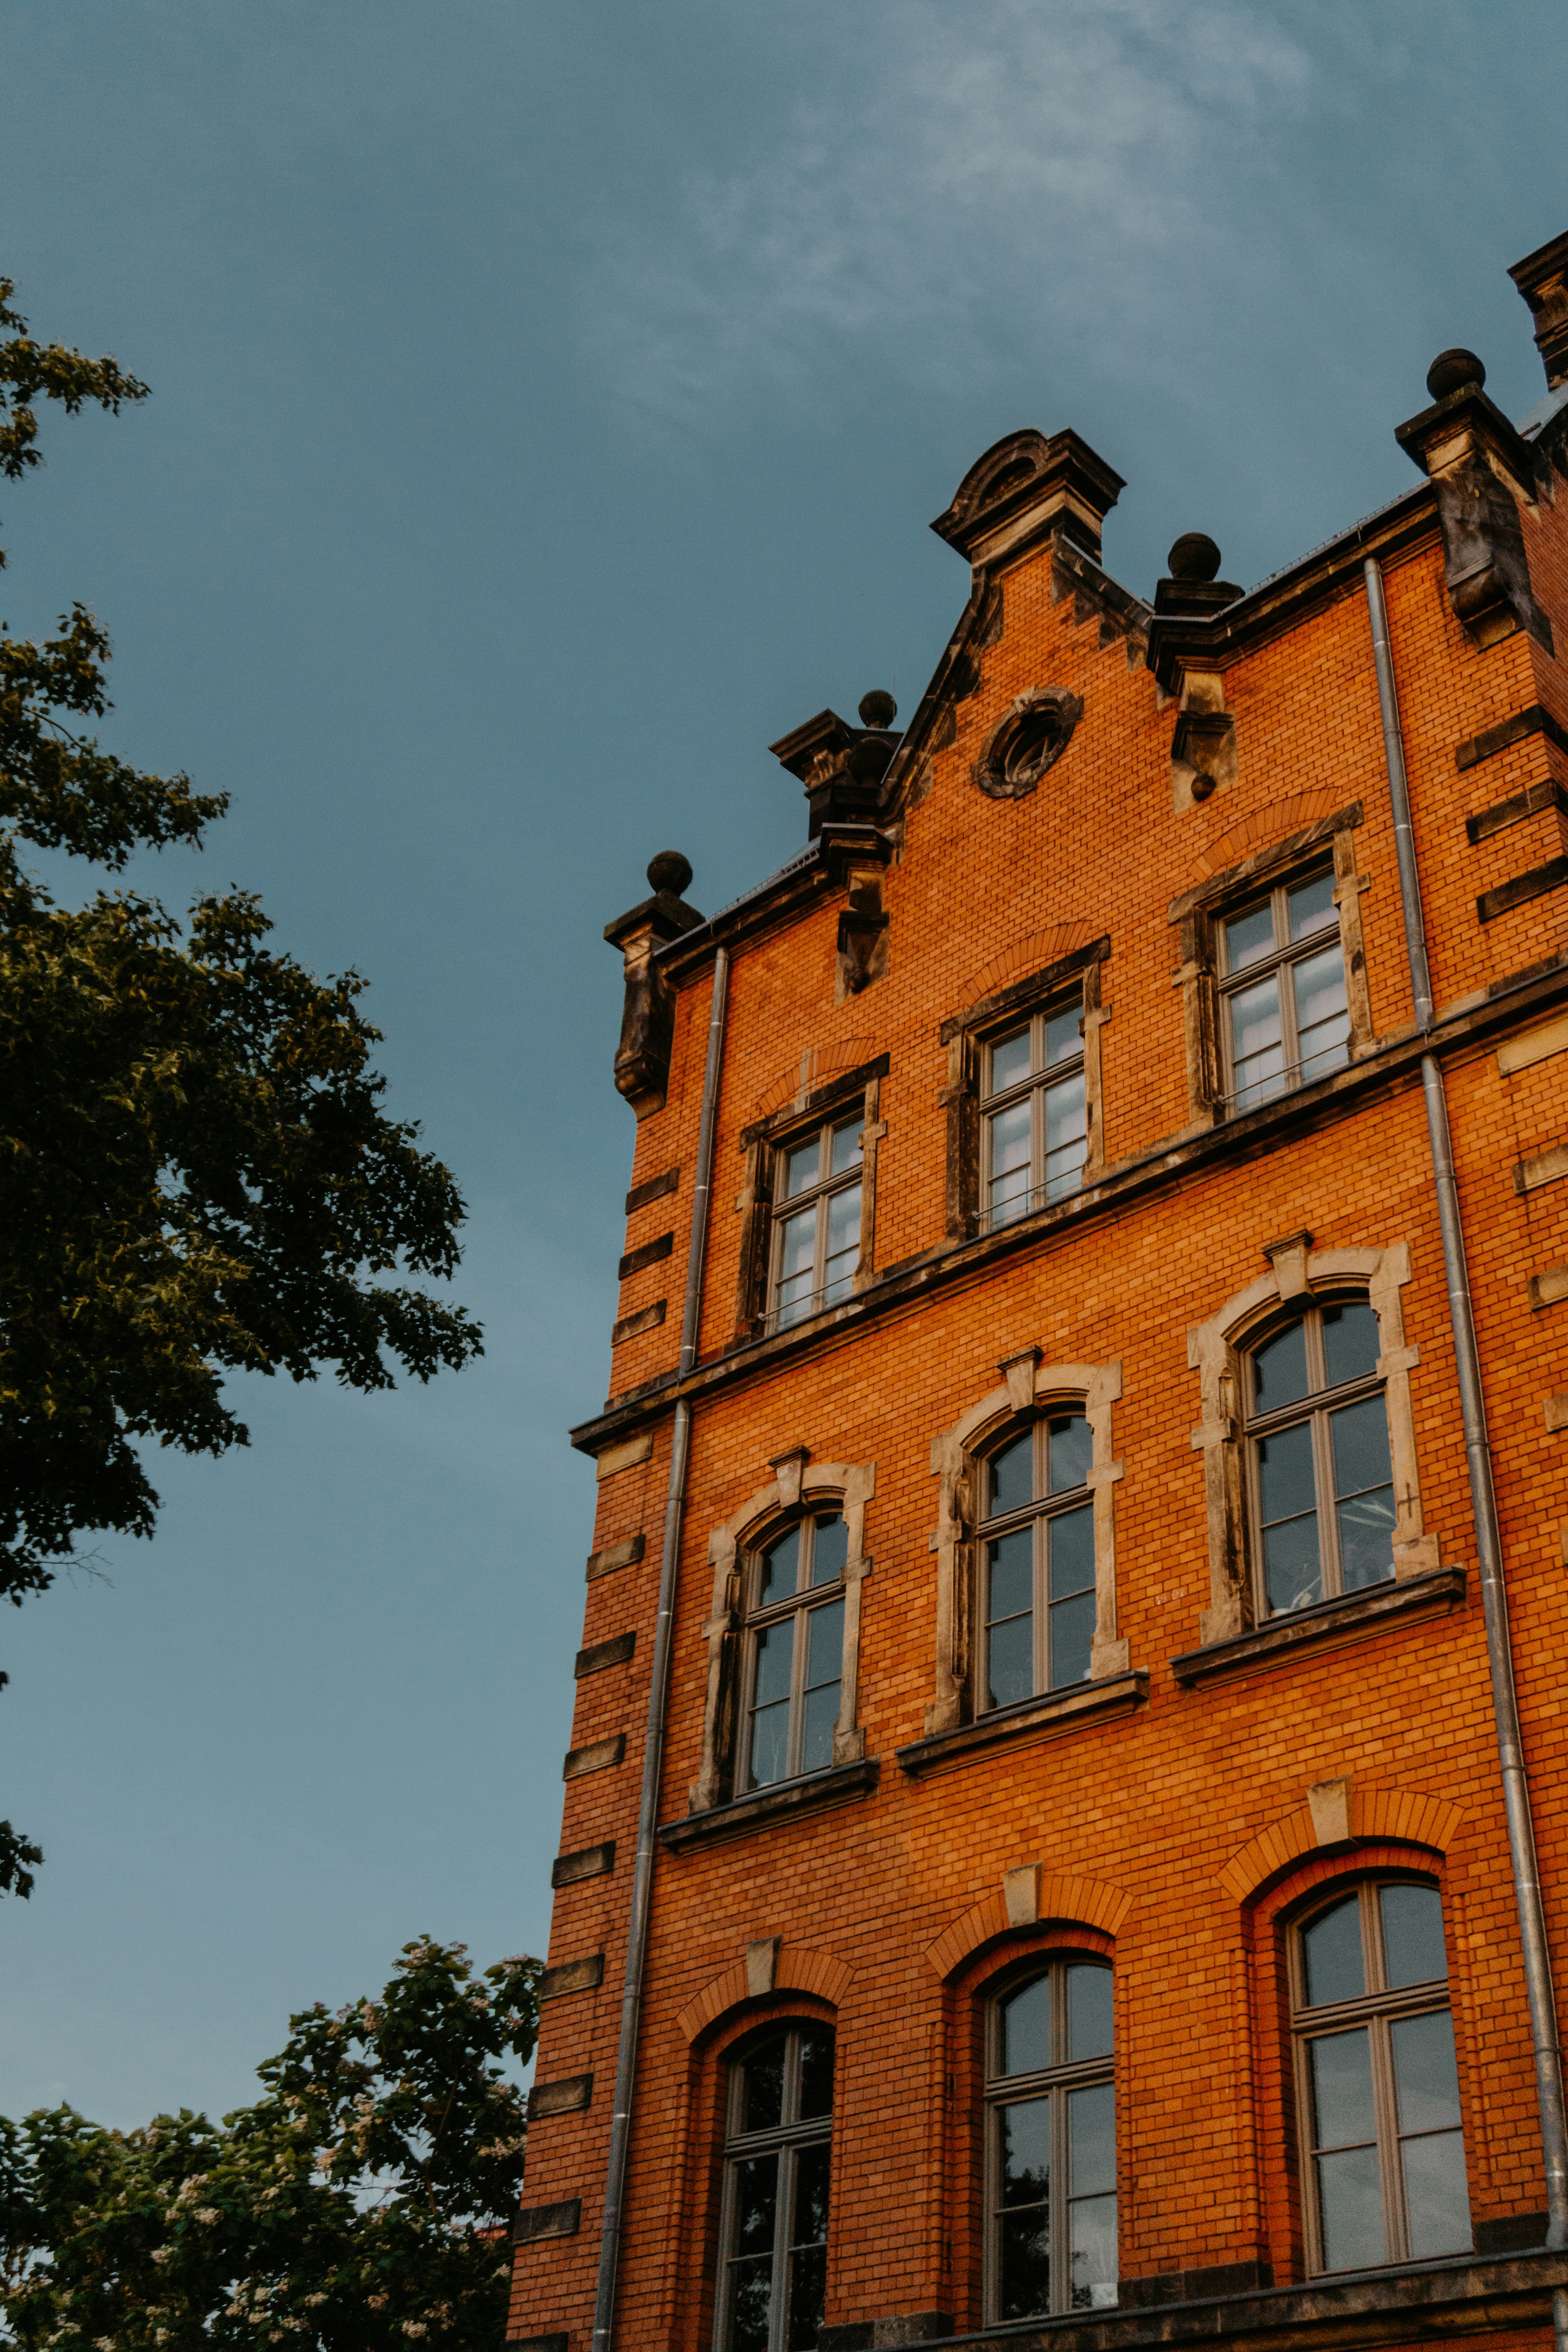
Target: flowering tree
[{"x": 357, "y": 2207}]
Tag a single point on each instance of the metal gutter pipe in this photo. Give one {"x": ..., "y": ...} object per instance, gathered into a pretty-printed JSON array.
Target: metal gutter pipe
[
  {"x": 658, "y": 1687},
  {"x": 1483, "y": 1495}
]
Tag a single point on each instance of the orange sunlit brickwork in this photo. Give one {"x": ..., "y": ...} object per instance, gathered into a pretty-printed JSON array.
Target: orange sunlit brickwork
[{"x": 1082, "y": 1902}]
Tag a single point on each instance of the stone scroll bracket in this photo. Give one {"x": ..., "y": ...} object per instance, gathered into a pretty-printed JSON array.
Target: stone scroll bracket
[
  {"x": 1214, "y": 1351},
  {"x": 647, "y": 1017}
]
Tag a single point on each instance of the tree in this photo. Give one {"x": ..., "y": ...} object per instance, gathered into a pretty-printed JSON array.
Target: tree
[
  {"x": 197, "y": 1176},
  {"x": 357, "y": 2207}
]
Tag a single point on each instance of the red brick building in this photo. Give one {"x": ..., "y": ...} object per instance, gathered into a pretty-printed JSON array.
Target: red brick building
[{"x": 1071, "y": 1705}]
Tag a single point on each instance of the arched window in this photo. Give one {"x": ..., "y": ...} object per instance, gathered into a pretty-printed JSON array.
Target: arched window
[
  {"x": 1377, "y": 2089},
  {"x": 1322, "y": 1483},
  {"x": 1051, "y": 2189},
  {"x": 794, "y": 1649},
  {"x": 774, "y": 2226},
  {"x": 1037, "y": 1561}
]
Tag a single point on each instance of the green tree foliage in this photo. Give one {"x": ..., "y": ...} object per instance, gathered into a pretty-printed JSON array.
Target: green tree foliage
[
  {"x": 358, "y": 2206},
  {"x": 196, "y": 1174}
]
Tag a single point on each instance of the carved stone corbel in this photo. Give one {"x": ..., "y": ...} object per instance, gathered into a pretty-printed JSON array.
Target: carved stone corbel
[
  {"x": 1481, "y": 469},
  {"x": 647, "y": 1018}
]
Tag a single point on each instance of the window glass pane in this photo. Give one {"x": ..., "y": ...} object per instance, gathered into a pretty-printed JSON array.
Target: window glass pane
[
  {"x": 808, "y": 2296},
  {"x": 1309, "y": 907},
  {"x": 1070, "y": 1541},
  {"x": 762, "y": 2107},
  {"x": 1062, "y": 1037},
  {"x": 1342, "y": 2089},
  {"x": 1322, "y": 1022},
  {"x": 824, "y": 1644},
  {"x": 1010, "y": 1660},
  {"x": 1363, "y": 1488},
  {"x": 1067, "y": 1137},
  {"x": 770, "y": 1719},
  {"x": 824, "y": 1666},
  {"x": 1011, "y": 1173},
  {"x": 1292, "y": 1570},
  {"x": 1091, "y": 2179},
  {"x": 1256, "y": 1043},
  {"x": 1071, "y": 1635},
  {"x": 802, "y": 1167},
  {"x": 797, "y": 1266},
  {"x": 1026, "y": 2028},
  {"x": 815, "y": 2070},
  {"x": 1351, "y": 1341},
  {"x": 1009, "y": 1061},
  {"x": 811, "y": 2197},
  {"x": 780, "y": 1570},
  {"x": 829, "y": 1549},
  {"x": 1026, "y": 2152},
  {"x": 845, "y": 1149},
  {"x": 1279, "y": 1369},
  {"x": 752, "y": 2283},
  {"x": 1070, "y": 1452},
  {"x": 1331, "y": 1949},
  {"x": 1349, "y": 2199},
  {"x": 1025, "y": 2288},
  {"x": 843, "y": 1242},
  {"x": 1092, "y": 2235},
  {"x": 1249, "y": 936},
  {"x": 1437, "y": 2201},
  {"x": 1412, "y": 1935},
  {"x": 1012, "y": 1479},
  {"x": 756, "y": 2212},
  {"x": 808, "y": 2261},
  {"x": 1089, "y": 2011},
  {"x": 1427, "y": 2079},
  {"x": 1026, "y": 2168},
  {"x": 1010, "y": 1621}
]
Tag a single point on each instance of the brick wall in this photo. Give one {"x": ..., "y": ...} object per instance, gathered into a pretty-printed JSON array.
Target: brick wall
[{"x": 1176, "y": 1813}]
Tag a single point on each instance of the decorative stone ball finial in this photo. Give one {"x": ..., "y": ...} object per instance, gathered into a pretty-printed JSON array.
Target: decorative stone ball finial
[
  {"x": 670, "y": 871},
  {"x": 878, "y": 708},
  {"x": 1454, "y": 371},
  {"x": 1194, "y": 556}
]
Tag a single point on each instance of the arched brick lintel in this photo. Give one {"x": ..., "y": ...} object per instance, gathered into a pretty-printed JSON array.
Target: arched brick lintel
[
  {"x": 794, "y": 1971},
  {"x": 1275, "y": 822},
  {"x": 1063, "y": 1897},
  {"x": 1405, "y": 1816}
]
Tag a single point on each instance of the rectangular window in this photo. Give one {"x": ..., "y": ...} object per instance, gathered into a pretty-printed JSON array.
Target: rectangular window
[
  {"x": 1285, "y": 1015},
  {"x": 817, "y": 1220},
  {"x": 1034, "y": 1115}
]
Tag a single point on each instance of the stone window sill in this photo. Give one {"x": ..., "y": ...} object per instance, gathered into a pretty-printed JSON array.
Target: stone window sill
[
  {"x": 783, "y": 1801},
  {"x": 1028, "y": 1719},
  {"x": 1463, "y": 2294},
  {"x": 1348, "y": 1617}
]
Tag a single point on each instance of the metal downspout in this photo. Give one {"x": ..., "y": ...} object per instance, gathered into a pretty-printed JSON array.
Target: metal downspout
[
  {"x": 1483, "y": 1496},
  {"x": 659, "y": 1686}
]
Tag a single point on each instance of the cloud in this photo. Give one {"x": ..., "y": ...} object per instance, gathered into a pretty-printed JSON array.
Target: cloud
[{"x": 959, "y": 173}]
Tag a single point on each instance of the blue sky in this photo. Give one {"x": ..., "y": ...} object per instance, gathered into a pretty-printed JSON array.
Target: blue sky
[{"x": 550, "y": 400}]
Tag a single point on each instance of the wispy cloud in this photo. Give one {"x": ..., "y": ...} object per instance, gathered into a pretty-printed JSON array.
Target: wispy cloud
[{"x": 976, "y": 169}]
